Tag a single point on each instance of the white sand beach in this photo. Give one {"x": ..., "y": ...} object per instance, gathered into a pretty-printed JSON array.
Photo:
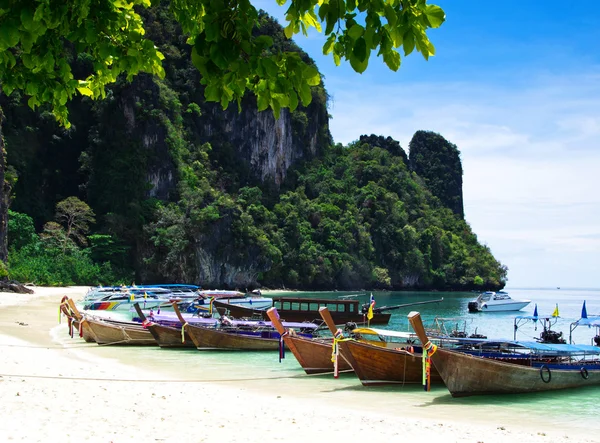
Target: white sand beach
[{"x": 55, "y": 392}]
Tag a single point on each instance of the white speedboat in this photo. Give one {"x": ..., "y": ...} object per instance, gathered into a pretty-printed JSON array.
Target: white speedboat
[{"x": 490, "y": 301}]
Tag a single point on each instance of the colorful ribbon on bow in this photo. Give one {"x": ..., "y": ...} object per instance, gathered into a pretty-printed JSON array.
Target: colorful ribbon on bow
[
  {"x": 183, "y": 332},
  {"x": 335, "y": 352},
  {"x": 282, "y": 346},
  {"x": 428, "y": 350}
]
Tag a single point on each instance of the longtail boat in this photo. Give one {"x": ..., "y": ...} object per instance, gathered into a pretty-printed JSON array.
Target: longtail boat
[
  {"x": 543, "y": 367},
  {"x": 248, "y": 336},
  {"x": 313, "y": 354},
  {"x": 77, "y": 322},
  {"x": 120, "y": 333},
  {"x": 377, "y": 361},
  {"x": 300, "y": 309},
  {"x": 166, "y": 336}
]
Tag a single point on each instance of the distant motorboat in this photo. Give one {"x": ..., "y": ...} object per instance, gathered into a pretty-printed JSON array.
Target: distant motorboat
[{"x": 490, "y": 301}]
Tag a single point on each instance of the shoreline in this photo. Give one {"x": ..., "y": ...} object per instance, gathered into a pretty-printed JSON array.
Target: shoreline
[{"x": 72, "y": 393}]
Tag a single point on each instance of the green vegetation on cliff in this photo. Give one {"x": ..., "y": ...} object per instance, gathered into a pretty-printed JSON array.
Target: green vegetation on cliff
[{"x": 183, "y": 191}]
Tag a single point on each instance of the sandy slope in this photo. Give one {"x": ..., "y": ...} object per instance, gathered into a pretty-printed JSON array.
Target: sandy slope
[{"x": 48, "y": 393}]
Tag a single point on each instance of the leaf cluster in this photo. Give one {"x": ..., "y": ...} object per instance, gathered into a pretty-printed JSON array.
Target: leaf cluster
[{"x": 37, "y": 38}]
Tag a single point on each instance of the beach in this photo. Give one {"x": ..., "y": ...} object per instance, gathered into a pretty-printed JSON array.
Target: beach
[{"x": 52, "y": 389}]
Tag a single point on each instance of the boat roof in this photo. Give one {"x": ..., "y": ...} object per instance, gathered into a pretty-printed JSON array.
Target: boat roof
[
  {"x": 589, "y": 321},
  {"x": 566, "y": 349},
  {"x": 330, "y": 301},
  {"x": 541, "y": 348},
  {"x": 535, "y": 317},
  {"x": 383, "y": 332}
]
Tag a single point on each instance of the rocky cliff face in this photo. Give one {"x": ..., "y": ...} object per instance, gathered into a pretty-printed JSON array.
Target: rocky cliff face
[
  {"x": 266, "y": 146},
  {"x": 437, "y": 161}
]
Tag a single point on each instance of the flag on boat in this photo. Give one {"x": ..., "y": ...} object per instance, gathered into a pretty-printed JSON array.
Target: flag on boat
[
  {"x": 535, "y": 316},
  {"x": 555, "y": 313},
  {"x": 371, "y": 306},
  {"x": 584, "y": 311}
]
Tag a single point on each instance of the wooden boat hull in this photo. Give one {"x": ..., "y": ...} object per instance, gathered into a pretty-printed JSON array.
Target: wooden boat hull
[
  {"x": 378, "y": 365},
  {"x": 212, "y": 339},
  {"x": 314, "y": 355},
  {"x": 82, "y": 328},
  {"x": 170, "y": 337},
  {"x": 77, "y": 323},
  {"x": 466, "y": 375},
  {"x": 113, "y": 334}
]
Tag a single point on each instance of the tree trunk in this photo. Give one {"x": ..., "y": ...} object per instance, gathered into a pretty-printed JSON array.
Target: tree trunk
[{"x": 4, "y": 197}]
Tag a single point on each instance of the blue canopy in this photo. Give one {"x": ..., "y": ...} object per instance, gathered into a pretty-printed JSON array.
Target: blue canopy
[
  {"x": 559, "y": 348},
  {"x": 588, "y": 321}
]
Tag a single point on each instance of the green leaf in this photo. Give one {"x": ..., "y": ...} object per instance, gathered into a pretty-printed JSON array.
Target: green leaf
[
  {"x": 305, "y": 94},
  {"x": 293, "y": 100},
  {"x": 211, "y": 93},
  {"x": 409, "y": 42},
  {"x": 9, "y": 33},
  {"x": 392, "y": 60},
  {"x": 328, "y": 46},
  {"x": 390, "y": 15},
  {"x": 27, "y": 19},
  {"x": 359, "y": 50},
  {"x": 323, "y": 11},
  {"x": 86, "y": 91},
  {"x": 289, "y": 31},
  {"x": 26, "y": 41},
  {"x": 32, "y": 102},
  {"x": 356, "y": 31},
  {"x": 270, "y": 67},
  {"x": 358, "y": 65},
  {"x": 311, "y": 75},
  {"x": 263, "y": 101},
  {"x": 396, "y": 35},
  {"x": 263, "y": 41},
  {"x": 276, "y": 109},
  {"x": 435, "y": 15}
]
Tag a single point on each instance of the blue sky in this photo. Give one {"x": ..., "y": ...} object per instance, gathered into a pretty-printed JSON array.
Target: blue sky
[{"x": 516, "y": 86}]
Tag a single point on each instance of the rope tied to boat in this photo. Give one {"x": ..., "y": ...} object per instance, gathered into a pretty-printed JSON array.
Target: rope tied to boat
[
  {"x": 282, "y": 345},
  {"x": 335, "y": 351},
  {"x": 183, "y": 332},
  {"x": 63, "y": 302},
  {"x": 428, "y": 350}
]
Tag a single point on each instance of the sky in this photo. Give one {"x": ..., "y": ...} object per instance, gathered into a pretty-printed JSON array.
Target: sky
[{"x": 515, "y": 85}]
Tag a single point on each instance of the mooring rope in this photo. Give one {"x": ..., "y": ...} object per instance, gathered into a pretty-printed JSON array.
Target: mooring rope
[{"x": 53, "y": 377}]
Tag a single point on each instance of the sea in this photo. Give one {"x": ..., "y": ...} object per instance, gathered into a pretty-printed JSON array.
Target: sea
[{"x": 266, "y": 372}]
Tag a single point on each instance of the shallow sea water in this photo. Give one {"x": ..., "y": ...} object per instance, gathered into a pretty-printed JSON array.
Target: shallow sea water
[{"x": 263, "y": 372}]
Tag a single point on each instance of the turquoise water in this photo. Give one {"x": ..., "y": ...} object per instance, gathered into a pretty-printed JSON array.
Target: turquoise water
[{"x": 262, "y": 371}]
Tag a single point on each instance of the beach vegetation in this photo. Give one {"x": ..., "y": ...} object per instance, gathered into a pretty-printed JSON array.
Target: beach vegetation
[{"x": 53, "y": 259}]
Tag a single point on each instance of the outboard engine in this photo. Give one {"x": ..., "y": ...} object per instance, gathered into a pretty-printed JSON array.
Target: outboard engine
[
  {"x": 473, "y": 306},
  {"x": 549, "y": 336},
  {"x": 350, "y": 326},
  {"x": 597, "y": 340}
]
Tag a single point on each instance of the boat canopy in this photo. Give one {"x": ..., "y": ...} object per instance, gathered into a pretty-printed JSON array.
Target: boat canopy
[
  {"x": 562, "y": 349},
  {"x": 589, "y": 321},
  {"x": 383, "y": 332}
]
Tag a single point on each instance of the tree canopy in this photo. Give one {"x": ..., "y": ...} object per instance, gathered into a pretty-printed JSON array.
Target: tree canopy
[{"x": 38, "y": 39}]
